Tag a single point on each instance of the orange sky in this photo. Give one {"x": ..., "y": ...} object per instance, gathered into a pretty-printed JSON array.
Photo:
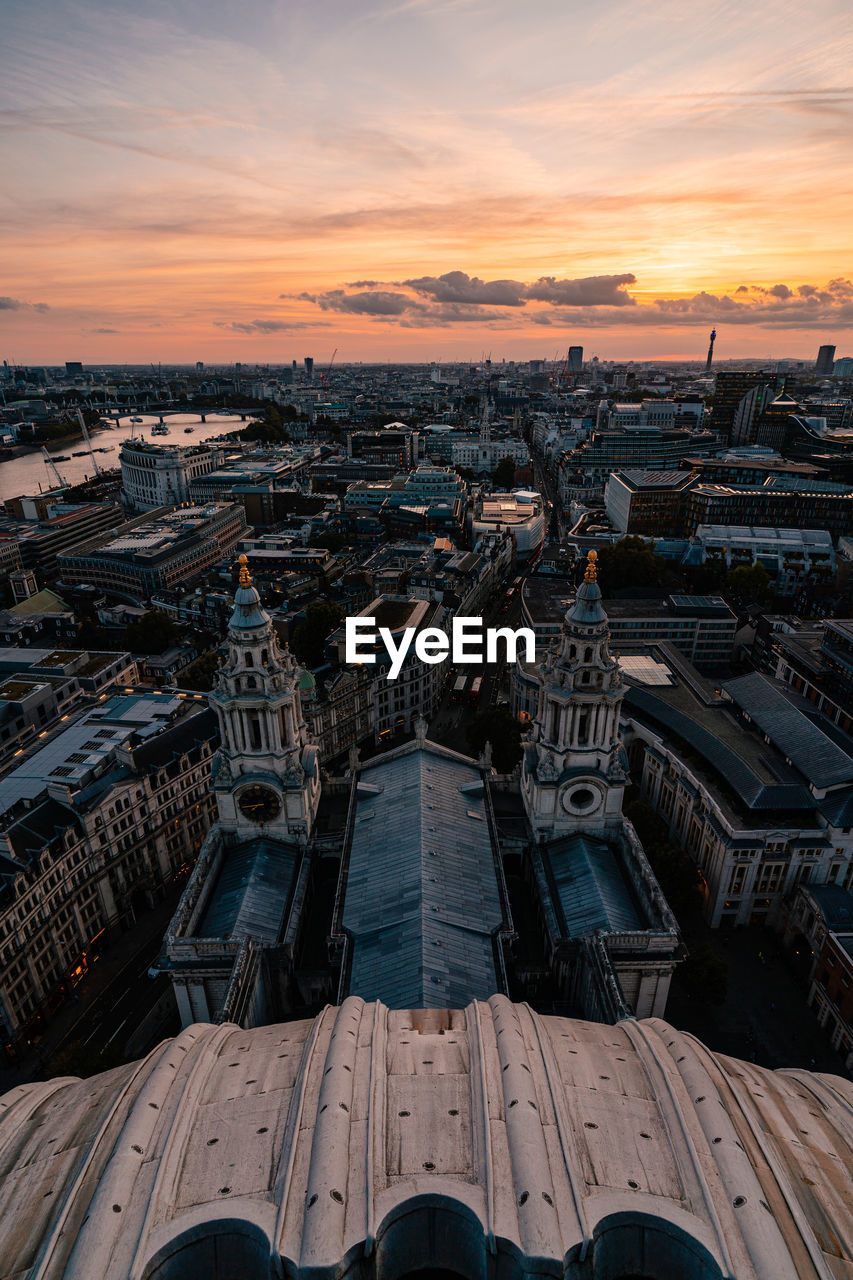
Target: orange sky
[{"x": 209, "y": 181}]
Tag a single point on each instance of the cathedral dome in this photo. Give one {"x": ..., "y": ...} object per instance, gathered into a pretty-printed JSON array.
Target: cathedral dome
[{"x": 485, "y": 1141}]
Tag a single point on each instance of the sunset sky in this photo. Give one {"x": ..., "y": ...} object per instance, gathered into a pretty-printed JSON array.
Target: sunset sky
[{"x": 424, "y": 179}]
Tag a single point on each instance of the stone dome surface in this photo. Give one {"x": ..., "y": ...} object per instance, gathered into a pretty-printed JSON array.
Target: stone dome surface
[{"x": 489, "y": 1141}]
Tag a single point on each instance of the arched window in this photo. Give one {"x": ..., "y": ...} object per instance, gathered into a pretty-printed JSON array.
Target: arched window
[
  {"x": 226, "y": 1248},
  {"x": 250, "y": 661},
  {"x": 265, "y": 656},
  {"x": 587, "y": 654},
  {"x": 664, "y": 1251}
]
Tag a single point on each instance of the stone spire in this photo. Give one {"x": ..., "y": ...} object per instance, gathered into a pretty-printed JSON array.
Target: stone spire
[
  {"x": 573, "y": 774},
  {"x": 263, "y": 733}
]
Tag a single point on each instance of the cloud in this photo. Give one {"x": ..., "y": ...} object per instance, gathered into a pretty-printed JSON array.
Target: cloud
[
  {"x": 456, "y": 286},
  {"x": 15, "y": 304},
  {"x": 591, "y": 291},
  {"x": 267, "y": 326},
  {"x": 457, "y": 298},
  {"x": 106, "y": 331},
  {"x": 592, "y": 301},
  {"x": 378, "y": 302}
]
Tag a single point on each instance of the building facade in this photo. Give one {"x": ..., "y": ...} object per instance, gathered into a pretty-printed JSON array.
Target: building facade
[
  {"x": 160, "y": 475},
  {"x": 88, "y": 844},
  {"x": 160, "y": 551}
]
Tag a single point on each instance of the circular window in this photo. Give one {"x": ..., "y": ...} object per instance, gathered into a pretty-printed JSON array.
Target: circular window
[{"x": 581, "y": 800}]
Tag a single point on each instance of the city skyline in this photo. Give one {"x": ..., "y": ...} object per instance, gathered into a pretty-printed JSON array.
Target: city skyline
[{"x": 425, "y": 180}]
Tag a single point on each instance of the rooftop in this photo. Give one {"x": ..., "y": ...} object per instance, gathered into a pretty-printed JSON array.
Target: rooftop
[
  {"x": 591, "y": 889},
  {"x": 476, "y": 1139},
  {"x": 423, "y": 904},
  {"x": 250, "y": 897},
  {"x": 823, "y": 762}
]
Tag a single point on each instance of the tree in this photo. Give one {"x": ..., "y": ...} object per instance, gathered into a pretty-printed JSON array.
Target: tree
[
  {"x": 498, "y": 726},
  {"x": 199, "y": 674},
  {"x": 504, "y": 473},
  {"x": 330, "y": 540},
  {"x": 309, "y": 636},
  {"x": 155, "y": 632},
  {"x": 630, "y": 562},
  {"x": 749, "y": 584}
]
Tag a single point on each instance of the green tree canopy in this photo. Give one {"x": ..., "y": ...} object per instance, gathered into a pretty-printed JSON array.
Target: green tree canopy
[
  {"x": 155, "y": 632},
  {"x": 630, "y": 562},
  {"x": 498, "y": 726},
  {"x": 330, "y": 540},
  {"x": 309, "y": 636},
  {"x": 199, "y": 674},
  {"x": 749, "y": 584}
]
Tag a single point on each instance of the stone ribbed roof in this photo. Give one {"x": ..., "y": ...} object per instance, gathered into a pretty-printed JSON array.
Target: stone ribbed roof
[{"x": 442, "y": 1136}]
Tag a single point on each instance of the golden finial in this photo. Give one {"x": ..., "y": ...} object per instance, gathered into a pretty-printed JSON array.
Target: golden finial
[
  {"x": 245, "y": 576},
  {"x": 591, "y": 574}
]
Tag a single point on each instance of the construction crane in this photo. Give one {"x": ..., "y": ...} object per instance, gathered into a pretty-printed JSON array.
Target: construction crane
[
  {"x": 323, "y": 376},
  {"x": 82, "y": 422},
  {"x": 52, "y": 467}
]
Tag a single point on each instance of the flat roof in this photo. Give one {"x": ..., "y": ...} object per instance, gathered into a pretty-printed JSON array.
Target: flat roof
[{"x": 93, "y": 737}]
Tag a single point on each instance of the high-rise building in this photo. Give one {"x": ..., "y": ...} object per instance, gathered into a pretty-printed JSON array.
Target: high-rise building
[
  {"x": 731, "y": 386},
  {"x": 825, "y": 359},
  {"x": 575, "y": 359},
  {"x": 74, "y": 368},
  {"x": 309, "y": 368}
]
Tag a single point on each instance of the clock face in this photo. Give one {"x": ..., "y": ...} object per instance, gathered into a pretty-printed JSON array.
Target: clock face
[{"x": 259, "y": 804}]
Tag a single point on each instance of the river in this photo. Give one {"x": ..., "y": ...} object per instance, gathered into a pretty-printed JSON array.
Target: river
[{"x": 29, "y": 473}]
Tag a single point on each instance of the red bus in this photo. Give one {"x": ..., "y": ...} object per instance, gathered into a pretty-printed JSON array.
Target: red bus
[
  {"x": 475, "y": 690},
  {"x": 459, "y": 688}
]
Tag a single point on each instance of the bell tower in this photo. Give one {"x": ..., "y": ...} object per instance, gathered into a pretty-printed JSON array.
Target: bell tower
[
  {"x": 573, "y": 774},
  {"x": 266, "y": 776}
]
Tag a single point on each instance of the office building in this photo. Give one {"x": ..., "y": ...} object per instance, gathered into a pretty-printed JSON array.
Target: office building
[
  {"x": 825, "y": 360},
  {"x": 585, "y": 470},
  {"x": 160, "y": 475},
  {"x": 730, "y": 387},
  {"x": 702, "y": 628},
  {"x": 820, "y": 925},
  {"x": 757, "y": 791},
  {"x": 95, "y": 821},
  {"x": 790, "y": 556},
  {"x": 769, "y": 507},
  {"x": 62, "y": 526},
  {"x": 575, "y": 359},
  {"x": 646, "y": 502},
  {"x": 164, "y": 549},
  {"x": 520, "y": 513}
]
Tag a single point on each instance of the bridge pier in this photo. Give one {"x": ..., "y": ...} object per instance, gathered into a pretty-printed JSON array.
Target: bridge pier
[{"x": 203, "y": 417}]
